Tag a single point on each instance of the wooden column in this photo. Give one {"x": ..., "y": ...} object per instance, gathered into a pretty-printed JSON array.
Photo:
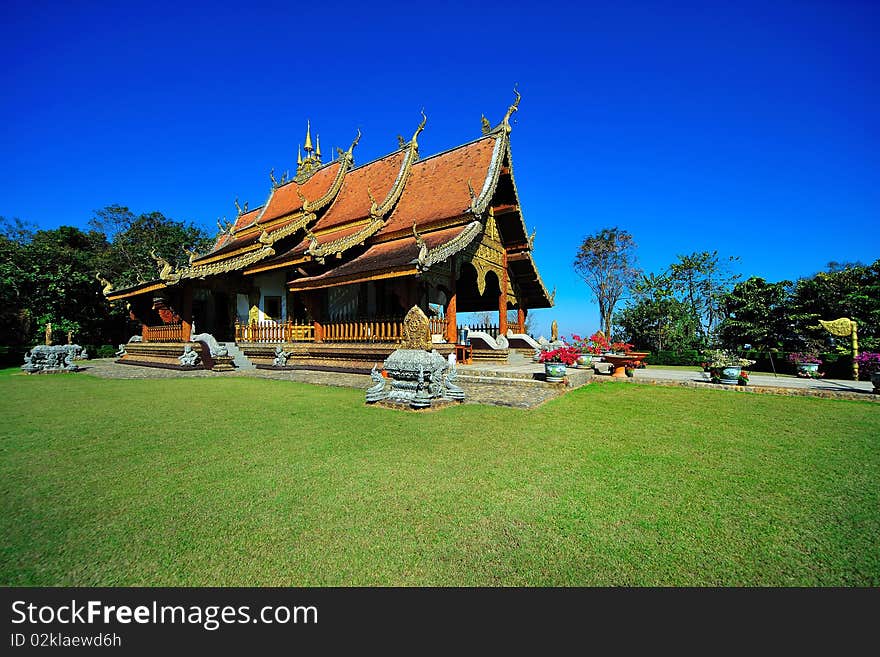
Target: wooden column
[
  {"x": 186, "y": 313},
  {"x": 310, "y": 301},
  {"x": 451, "y": 322},
  {"x": 521, "y": 319},
  {"x": 502, "y": 298}
]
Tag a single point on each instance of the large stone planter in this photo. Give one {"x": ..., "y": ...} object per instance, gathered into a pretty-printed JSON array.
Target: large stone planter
[
  {"x": 810, "y": 370},
  {"x": 554, "y": 372},
  {"x": 730, "y": 374}
]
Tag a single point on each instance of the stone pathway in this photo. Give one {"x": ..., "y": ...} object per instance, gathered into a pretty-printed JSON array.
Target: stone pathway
[
  {"x": 477, "y": 393},
  {"x": 508, "y": 393},
  {"x": 759, "y": 383}
]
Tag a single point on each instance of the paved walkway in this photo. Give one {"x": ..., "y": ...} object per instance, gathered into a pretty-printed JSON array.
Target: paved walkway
[
  {"x": 505, "y": 392},
  {"x": 766, "y": 383},
  {"x": 477, "y": 393}
]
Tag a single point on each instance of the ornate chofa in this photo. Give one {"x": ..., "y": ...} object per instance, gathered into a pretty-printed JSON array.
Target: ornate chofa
[
  {"x": 107, "y": 285},
  {"x": 166, "y": 269},
  {"x": 416, "y": 330}
]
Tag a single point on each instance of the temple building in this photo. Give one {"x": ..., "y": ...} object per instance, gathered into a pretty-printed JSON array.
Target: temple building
[{"x": 329, "y": 265}]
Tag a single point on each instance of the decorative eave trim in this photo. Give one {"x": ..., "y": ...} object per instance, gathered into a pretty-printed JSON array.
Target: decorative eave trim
[
  {"x": 428, "y": 257},
  {"x": 224, "y": 256},
  {"x": 321, "y": 251},
  {"x": 230, "y": 264},
  {"x": 390, "y": 272},
  {"x": 127, "y": 294},
  {"x": 289, "y": 262},
  {"x": 481, "y": 203}
]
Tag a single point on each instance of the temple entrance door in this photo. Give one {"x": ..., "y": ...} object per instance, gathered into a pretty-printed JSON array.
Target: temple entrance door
[{"x": 223, "y": 321}]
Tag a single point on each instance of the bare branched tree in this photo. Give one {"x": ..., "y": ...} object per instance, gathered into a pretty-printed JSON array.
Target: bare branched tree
[{"x": 607, "y": 263}]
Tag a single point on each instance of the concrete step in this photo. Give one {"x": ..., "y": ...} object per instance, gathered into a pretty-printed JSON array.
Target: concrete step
[
  {"x": 238, "y": 358},
  {"x": 501, "y": 380}
]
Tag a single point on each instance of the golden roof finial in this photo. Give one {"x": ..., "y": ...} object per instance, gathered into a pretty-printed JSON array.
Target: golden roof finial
[
  {"x": 355, "y": 142},
  {"x": 513, "y": 108},
  {"x": 308, "y": 147},
  {"x": 318, "y": 146},
  {"x": 421, "y": 127},
  {"x": 299, "y": 157}
]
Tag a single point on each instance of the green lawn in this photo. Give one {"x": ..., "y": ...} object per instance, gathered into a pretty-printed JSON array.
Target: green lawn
[{"x": 255, "y": 482}]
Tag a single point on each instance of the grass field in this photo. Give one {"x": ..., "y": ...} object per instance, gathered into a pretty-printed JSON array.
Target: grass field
[{"x": 255, "y": 482}]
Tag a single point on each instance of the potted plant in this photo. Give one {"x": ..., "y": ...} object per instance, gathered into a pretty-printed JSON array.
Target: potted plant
[
  {"x": 869, "y": 363},
  {"x": 726, "y": 367},
  {"x": 621, "y": 348},
  {"x": 743, "y": 379},
  {"x": 556, "y": 360},
  {"x": 806, "y": 363},
  {"x": 585, "y": 355}
]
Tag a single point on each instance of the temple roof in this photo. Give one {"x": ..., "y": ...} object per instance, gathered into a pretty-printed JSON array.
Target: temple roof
[
  {"x": 395, "y": 214},
  {"x": 398, "y": 257},
  {"x": 284, "y": 199},
  {"x": 437, "y": 189}
]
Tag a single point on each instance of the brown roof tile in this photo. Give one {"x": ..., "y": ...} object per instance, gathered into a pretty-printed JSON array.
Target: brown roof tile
[
  {"x": 437, "y": 187},
  {"x": 285, "y": 199},
  {"x": 353, "y": 203},
  {"x": 387, "y": 255}
]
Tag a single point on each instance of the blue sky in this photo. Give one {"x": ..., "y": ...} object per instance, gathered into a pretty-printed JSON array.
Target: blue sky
[{"x": 750, "y": 128}]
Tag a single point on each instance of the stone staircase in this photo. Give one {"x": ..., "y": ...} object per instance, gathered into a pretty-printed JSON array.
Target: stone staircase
[
  {"x": 238, "y": 358},
  {"x": 575, "y": 378}
]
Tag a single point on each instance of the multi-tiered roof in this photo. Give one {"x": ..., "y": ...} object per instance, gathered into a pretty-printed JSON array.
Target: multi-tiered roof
[{"x": 399, "y": 215}]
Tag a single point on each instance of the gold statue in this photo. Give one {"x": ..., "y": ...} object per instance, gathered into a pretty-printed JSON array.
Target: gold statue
[
  {"x": 70, "y": 337},
  {"x": 48, "y": 333},
  {"x": 554, "y": 331}
]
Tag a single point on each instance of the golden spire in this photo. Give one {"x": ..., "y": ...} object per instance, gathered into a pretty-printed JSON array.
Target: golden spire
[
  {"x": 299, "y": 157},
  {"x": 308, "y": 147},
  {"x": 318, "y": 146}
]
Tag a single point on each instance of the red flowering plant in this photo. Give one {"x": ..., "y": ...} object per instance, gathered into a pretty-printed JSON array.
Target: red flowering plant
[
  {"x": 597, "y": 344},
  {"x": 624, "y": 347},
  {"x": 564, "y": 355},
  {"x": 743, "y": 379}
]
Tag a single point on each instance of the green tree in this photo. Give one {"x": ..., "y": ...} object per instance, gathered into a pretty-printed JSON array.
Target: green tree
[
  {"x": 133, "y": 237},
  {"x": 606, "y": 261},
  {"x": 655, "y": 319},
  {"x": 48, "y": 276},
  {"x": 702, "y": 280},
  {"x": 844, "y": 290},
  {"x": 757, "y": 313}
]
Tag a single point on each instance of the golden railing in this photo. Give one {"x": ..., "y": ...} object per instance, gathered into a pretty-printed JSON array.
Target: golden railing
[
  {"x": 390, "y": 330},
  {"x": 289, "y": 331},
  {"x": 163, "y": 333},
  {"x": 438, "y": 326}
]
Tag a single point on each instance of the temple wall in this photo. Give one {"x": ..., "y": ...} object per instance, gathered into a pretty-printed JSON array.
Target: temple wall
[{"x": 272, "y": 284}]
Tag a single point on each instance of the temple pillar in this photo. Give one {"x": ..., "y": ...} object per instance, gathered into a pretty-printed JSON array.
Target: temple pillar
[
  {"x": 312, "y": 306},
  {"x": 502, "y": 298},
  {"x": 449, "y": 311},
  {"x": 186, "y": 310},
  {"x": 521, "y": 319}
]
